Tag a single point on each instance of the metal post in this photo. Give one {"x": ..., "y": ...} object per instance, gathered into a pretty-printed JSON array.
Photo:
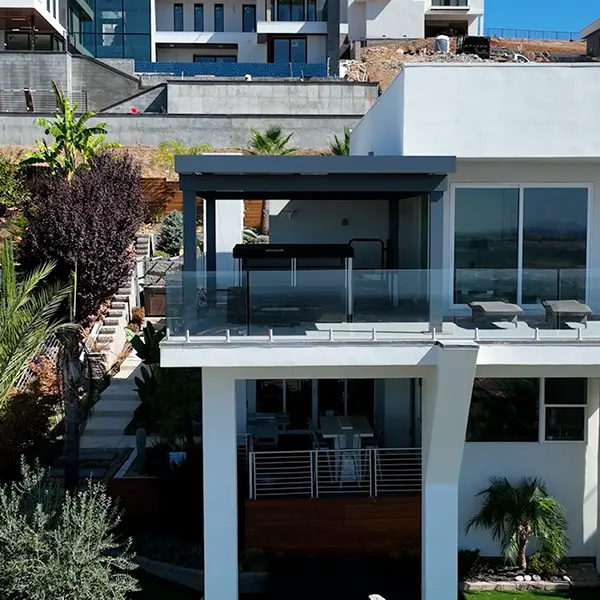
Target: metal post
[
  {"x": 315, "y": 457},
  {"x": 312, "y": 476},
  {"x": 252, "y": 477}
]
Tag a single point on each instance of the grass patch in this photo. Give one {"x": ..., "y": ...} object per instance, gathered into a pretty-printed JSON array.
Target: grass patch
[{"x": 572, "y": 594}]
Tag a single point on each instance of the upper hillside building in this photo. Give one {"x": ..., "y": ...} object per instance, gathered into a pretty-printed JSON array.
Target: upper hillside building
[
  {"x": 591, "y": 34},
  {"x": 43, "y": 25}
]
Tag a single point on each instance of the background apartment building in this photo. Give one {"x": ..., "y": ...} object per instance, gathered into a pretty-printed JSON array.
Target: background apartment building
[{"x": 244, "y": 31}]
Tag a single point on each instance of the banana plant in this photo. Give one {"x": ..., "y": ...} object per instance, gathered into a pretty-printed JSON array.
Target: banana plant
[{"x": 148, "y": 349}]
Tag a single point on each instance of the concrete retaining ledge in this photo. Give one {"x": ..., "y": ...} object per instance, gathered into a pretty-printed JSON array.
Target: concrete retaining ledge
[
  {"x": 250, "y": 583},
  {"x": 507, "y": 586}
]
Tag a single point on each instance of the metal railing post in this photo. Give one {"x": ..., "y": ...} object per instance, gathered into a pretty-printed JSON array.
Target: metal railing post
[
  {"x": 315, "y": 457},
  {"x": 312, "y": 475},
  {"x": 375, "y": 459},
  {"x": 252, "y": 475}
]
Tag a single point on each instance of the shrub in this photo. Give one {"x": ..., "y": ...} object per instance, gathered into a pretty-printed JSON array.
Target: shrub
[
  {"x": 469, "y": 564},
  {"x": 60, "y": 547},
  {"x": 13, "y": 185},
  {"x": 86, "y": 225},
  {"x": 170, "y": 237},
  {"x": 543, "y": 565},
  {"x": 138, "y": 315},
  {"x": 25, "y": 428}
]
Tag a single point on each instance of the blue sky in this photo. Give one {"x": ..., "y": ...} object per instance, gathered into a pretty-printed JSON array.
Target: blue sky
[{"x": 550, "y": 15}]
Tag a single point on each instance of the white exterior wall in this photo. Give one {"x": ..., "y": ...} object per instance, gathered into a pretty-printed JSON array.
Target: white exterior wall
[
  {"x": 249, "y": 51},
  {"x": 394, "y": 19},
  {"x": 490, "y": 110}
]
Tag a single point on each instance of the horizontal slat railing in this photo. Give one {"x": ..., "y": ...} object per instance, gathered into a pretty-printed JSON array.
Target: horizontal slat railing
[{"x": 321, "y": 473}]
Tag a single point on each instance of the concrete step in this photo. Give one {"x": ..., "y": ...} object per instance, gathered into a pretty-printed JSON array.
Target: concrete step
[
  {"x": 115, "y": 408},
  {"x": 100, "y": 442},
  {"x": 105, "y": 338},
  {"x": 121, "y": 298},
  {"x": 109, "y": 426},
  {"x": 124, "y": 291},
  {"x": 118, "y": 306},
  {"x": 112, "y": 322},
  {"x": 107, "y": 330},
  {"x": 113, "y": 313}
]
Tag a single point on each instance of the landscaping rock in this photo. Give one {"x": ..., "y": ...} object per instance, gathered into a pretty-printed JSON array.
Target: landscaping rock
[
  {"x": 566, "y": 578},
  {"x": 527, "y": 578},
  {"x": 537, "y": 578},
  {"x": 519, "y": 578}
]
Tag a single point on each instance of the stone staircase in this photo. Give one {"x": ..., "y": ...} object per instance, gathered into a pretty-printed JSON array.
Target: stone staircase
[{"x": 114, "y": 410}]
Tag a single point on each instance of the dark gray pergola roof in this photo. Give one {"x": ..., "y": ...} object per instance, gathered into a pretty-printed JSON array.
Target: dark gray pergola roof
[{"x": 344, "y": 177}]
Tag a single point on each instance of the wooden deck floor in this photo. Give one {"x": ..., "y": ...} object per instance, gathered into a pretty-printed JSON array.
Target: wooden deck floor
[{"x": 335, "y": 526}]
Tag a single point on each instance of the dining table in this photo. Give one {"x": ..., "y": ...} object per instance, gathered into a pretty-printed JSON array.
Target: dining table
[{"x": 332, "y": 427}]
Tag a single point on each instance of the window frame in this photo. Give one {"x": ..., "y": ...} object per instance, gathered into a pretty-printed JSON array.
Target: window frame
[
  {"x": 460, "y": 308},
  {"x": 542, "y": 405},
  {"x": 253, "y": 6},
  {"x": 222, "y": 8},
  {"x": 177, "y": 5},
  {"x": 198, "y": 5}
]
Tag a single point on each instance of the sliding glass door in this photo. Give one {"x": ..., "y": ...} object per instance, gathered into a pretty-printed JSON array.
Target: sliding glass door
[{"x": 522, "y": 244}]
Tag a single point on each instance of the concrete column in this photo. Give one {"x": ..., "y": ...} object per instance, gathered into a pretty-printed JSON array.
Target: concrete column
[
  {"x": 393, "y": 233},
  {"x": 190, "y": 264},
  {"x": 591, "y": 497},
  {"x": 445, "y": 409},
  {"x": 210, "y": 247},
  {"x": 436, "y": 260},
  {"x": 219, "y": 443}
]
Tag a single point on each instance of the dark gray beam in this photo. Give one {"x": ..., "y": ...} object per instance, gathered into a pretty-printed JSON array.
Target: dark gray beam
[
  {"x": 189, "y": 230},
  {"x": 292, "y": 164},
  {"x": 436, "y": 260},
  {"x": 274, "y": 186}
]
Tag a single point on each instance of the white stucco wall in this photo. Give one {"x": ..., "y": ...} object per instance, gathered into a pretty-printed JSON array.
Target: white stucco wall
[
  {"x": 489, "y": 110},
  {"x": 248, "y": 50},
  {"x": 394, "y": 19},
  {"x": 321, "y": 222}
]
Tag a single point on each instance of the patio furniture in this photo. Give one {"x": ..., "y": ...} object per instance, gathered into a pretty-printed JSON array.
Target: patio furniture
[
  {"x": 572, "y": 310},
  {"x": 318, "y": 443},
  {"x": 348, "y": 464},
  {"x": 332, "y": 427},
  {"x": 265, "y": 432},
  {"x": 490, "y": 310},
  {"x": 377, "y": 440}
]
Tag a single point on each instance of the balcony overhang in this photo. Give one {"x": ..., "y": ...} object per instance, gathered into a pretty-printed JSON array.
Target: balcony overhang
[
  {"x": 310, "y": 177},
  {"x": 31, "y": 13},
  {"x": 453, "y": 12},
  {"x": 291, "y": 28}
]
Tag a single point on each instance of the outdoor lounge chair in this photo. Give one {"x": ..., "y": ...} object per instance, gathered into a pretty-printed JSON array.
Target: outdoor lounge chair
[
  {"x": 571, "y": 310},
  {"x": 495, "y": 310}
]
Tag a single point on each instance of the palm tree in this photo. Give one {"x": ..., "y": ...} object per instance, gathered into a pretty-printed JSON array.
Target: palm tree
[
  {"x": 340, "y": 147},
  {"x": 75, "y": 143},
  {"x": 515, "y": 515},
  {"x": 272, "y": 142},
  {"x": 29, "y": 309}
]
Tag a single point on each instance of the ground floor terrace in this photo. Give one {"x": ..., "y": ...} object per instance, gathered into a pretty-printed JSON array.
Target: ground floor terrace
[{"x": 424, "y": 426}]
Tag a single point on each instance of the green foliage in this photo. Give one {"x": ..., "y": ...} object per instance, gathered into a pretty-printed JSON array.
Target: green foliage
[
  {"x": 252, "y": 237},
  {"x": 469, "y": 564},
  {"x": 543, "y": 565},
  {"x": 13, "y": 185},
  {"x": 28, "y": 315},
  {"x": 148, "y": 349},
  {"x": 168, "y": 150},
  {"x": 75, "y": 143},
  {"x": 60, "y": 547},
  {"x": 515, "y": 515},
  {"x": 340, "y": 147},
  {"x": 272, "y": 142},
  {"x": 170, "y": 237}
]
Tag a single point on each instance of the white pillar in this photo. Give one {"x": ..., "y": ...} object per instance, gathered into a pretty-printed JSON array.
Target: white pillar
[
  {"x": 445, "y": 409},
  {"x": 591, "y": 497},
  {"x": 220, "y": 485}
]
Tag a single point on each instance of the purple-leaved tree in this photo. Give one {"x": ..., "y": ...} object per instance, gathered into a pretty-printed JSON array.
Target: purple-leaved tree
[{"x": 87, "y": 225}]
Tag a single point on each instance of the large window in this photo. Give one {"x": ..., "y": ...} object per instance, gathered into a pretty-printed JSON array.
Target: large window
[
  {"x": 248, "y": 18},
  {"x": 198, "y": 17},
  {"x": 289, "y": 50},
  {"x": 177, "y": 17},
  {"x": 219, "y": 18},
  {"x": 520, "y": 244},
  {"x": 527, "y": 410},
  {"x": 214, "y": 59}
]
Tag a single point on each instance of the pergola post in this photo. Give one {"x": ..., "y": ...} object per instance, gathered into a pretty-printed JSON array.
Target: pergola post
[{"x": 436, "y": 260}]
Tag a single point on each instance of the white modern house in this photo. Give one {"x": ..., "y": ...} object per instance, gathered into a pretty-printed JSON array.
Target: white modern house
[
  {"x": 425, "y": 317},
  {"x": 298, "y": 31},
  {"x": 591, "y": 34}
]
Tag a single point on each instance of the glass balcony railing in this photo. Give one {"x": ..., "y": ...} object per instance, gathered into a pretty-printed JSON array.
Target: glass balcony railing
[
  {"x": 406, "y": 303},
  {"x": 450, "y": 3}
]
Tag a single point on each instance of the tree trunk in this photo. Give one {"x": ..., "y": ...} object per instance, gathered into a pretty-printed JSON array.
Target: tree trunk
[
  {"x": 264, "y": 218},
  {"x": 523, "y": 552}
]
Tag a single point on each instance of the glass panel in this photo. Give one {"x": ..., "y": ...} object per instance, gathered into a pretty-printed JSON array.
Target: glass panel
[
  {"x": 361, "y": 398},
  {"x": 504, "y": 410},
  {"x": 225, "y": 59},
  {"x": 249, "y": 18},
  {"x": 136, "y": 16},
  {"x": 178, "y": 17},
  {"x": 485, "y": 244},
  {"x": 554, "y": 239},
  {"x": 298, "y": 403},
  {"x": 297, "y": 10},
  {"x": 198, "y": 17},
  {"x": 137, "y": 46},
  {"x": 284, "y": 12},
  {"x": 219, "y": 18},
  {"x": 311, "y": 10},
  {"x": 566, "y": 424},
  {"x": 298, "y": 50},
  {"x": 281, "y": 50},
  {"x": 331, "y": 397},
  {"x": 269, "y": 396},
  {"x": 204, "y": 59},
  {"x": 562, "y": 390}
]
